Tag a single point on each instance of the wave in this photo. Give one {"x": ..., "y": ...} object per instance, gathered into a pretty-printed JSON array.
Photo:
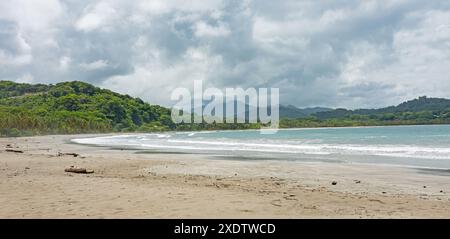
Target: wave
[
  {"x": 379, "y": 150},
  {"x": 166, "y": 141}
]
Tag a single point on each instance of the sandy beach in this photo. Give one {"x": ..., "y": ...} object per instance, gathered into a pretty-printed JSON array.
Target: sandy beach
[{"x": 134, "y": 184}]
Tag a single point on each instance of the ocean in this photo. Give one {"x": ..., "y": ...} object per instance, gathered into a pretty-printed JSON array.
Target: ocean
[{"x": 411, "y": 146}]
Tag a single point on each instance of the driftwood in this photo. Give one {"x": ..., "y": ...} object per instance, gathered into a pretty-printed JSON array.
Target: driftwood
[
  {"x": 78, "y": 170},
  {"x": 68, "y": 154},
  {"x": 14, "y": 151}
]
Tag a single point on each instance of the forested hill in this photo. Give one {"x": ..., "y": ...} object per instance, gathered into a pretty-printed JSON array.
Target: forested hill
[
  {"x": 78, "y": 107},
  {"x": 422, "y": 110},
  {"x": 74, "y": 107},
  {"x": 422, "y": 107}
]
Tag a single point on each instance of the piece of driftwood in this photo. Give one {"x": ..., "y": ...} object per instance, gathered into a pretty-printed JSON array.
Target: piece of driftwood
[
  {"x": 78, "y": 170},
  {"x": 14, "y": 151},
  {"x": 68, "y": 154}
]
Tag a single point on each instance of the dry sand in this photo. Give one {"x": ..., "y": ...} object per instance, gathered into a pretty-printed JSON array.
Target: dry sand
[{"x": 127, "y": 184}]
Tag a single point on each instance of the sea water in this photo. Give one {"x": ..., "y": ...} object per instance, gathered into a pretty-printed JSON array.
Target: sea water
[{"x": 415, "y": 146}]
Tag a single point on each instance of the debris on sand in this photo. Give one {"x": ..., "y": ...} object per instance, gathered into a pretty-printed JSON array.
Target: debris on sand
[
  {"x": 14, "y": 151},
  {"x": 334, "y": 183},
  {"x": 73, "y": 169},
  {"x": 68, "y": 154}
]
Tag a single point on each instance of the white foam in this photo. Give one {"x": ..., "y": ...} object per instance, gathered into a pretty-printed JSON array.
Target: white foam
[{"x": 165, "y": 141}]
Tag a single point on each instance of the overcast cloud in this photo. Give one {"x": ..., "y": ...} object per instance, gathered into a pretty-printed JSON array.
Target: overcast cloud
[{"x": 329, "y": 53}]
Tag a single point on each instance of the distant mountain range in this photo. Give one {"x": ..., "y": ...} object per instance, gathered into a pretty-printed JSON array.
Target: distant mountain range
[
  {"x": 289, "y": 111},
  {"x": 416, "y": 105},
  {"x": 421, "y": 104},
  {"x": 293, "y": 112},
  {"x": 79, "y": 107}
]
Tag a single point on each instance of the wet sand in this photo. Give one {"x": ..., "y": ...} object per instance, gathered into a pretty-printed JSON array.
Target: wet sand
[{"x": 126, "y": 184}]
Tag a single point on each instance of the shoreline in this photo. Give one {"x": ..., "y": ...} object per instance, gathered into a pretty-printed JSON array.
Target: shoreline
[
  {"x": 126, "y": 184},
  {"x": 226, "y": 130},
  {"x": 137, "y": 150}
]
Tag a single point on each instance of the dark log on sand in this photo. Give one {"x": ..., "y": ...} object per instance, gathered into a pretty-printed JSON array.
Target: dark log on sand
[
  {"x": 68, "y": 154},
  {"x": 14, "y": 151},
  {"x": 78, "y": 170}
]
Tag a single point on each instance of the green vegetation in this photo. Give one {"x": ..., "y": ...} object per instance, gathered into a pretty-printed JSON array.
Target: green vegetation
[
  {"x": 77, "y": 107},
  {"x": 422, "y": 110},
  {"x": 74, "y": 107}
]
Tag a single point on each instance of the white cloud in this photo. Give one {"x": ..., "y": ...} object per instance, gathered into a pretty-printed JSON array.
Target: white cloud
[
  {"x": 27, "y": 78},
  {"x": 64, "y": 62},
  {"x": 14, "y": 60},
  {"x": 203, "y": 29},
  {"x": 29, "y": 26},
  {"x": 165, "y": 6},
  {"x": 155, "y": 81},
  {"x": 31, "y": 15},
  {"x": 96, "y": 16},
  {"x": 95, "y": 65}
]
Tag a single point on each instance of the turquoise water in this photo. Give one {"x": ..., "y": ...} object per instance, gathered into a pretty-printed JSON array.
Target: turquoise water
[{"x": 416, "y": 146}]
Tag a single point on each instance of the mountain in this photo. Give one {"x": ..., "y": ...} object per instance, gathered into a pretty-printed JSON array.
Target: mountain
[
  {"x": 74, "y": 107},
  {"x": 285, "y": 111},
  {"x": 420, "y": 104},
  {"x": 78, "y": 107},
  {"x": 434, "y": 107},
  {"x": 293, "y": 112}
]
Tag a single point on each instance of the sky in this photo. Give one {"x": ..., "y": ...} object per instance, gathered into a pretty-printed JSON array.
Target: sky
[{"x": 341, "y": 53}]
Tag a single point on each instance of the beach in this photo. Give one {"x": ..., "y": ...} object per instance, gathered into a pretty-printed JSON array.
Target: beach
[{"x": 129, "y": 183}]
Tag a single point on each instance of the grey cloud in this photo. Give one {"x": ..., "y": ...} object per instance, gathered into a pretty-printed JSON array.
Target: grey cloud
[{"x": 344, "y": 53}]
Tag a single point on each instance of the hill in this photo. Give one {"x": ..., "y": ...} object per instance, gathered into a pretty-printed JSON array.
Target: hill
[
  {"x": 427, "y": 108},
  {"x": 285, "y": 111},
  {"x": 78, "y": 107},
  {"x": 422, "y": 110},
  {"x": 74, "y": 107},
  {"x": 292, "y": 112}
]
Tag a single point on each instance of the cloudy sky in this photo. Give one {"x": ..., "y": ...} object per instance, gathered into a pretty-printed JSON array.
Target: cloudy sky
[{"x": 342, "y": 53}]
